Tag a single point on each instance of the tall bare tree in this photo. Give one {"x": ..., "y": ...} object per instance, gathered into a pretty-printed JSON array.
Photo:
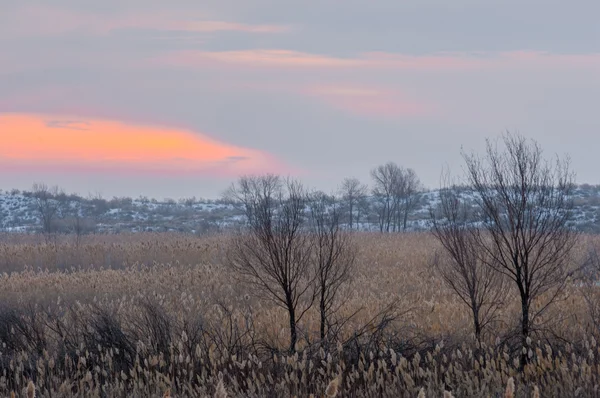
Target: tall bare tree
[
  {"x": 479, "y": 286},
  {"x": 274, "y": 254},
  {"x": 525, "y": 203},
  {"x": 334, "y": 255},
  {"x": 352, "y": 192},
  {"x": 47, "y": 205}
]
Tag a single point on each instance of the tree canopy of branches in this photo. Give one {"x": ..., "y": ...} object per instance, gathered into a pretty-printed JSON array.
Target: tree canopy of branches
[
  {"x": 525, "y": 205},
  {"x": 352, "y": 193},
  {"x": 460, "y": 265},
  {"x": 275, "y": 255},
  {"x": 47, "y": 205},
  {"x": 395, "y": 189},
  {"x": 334, "y": 255},
  {"x": 293, "y": 250}
]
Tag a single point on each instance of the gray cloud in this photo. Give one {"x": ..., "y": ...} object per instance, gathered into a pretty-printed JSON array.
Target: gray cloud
[{"x": 328, "y": 121}]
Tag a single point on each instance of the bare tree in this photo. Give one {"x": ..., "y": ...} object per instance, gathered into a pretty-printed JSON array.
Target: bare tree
[
  {"x": 525, "y": 204},
  {"x": 480, "y": 287},
  {"x": 274, "y": 254},
  {"x": 256, "y": 193},
  {"x": 98, "y": 206},
  {"x": 3, "y": 217},
  {"x": 396, "y": 192},
  {"x": 408, "y": 188},
  {"x": 334, "y": 255},
  {"x": 385, "y": 179},
  {"x": 363, "y": 208},
  {"x": 47, "y": 206},
  {"x": 352, "y": 192},
  {"x": 76, "y": 222},
  {"x": 591, "y": 293}
]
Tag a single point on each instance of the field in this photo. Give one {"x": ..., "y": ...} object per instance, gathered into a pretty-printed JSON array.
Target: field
[{"x": 153, "y": 315}]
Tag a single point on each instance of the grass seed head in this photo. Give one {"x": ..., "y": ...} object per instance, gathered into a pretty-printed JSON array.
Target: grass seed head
[
  {"x": 30, "y": 389},
  {"x": 332, "y": 388}
]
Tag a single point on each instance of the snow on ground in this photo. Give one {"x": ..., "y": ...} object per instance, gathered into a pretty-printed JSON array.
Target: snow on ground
[{"x": 18, "y": 213}]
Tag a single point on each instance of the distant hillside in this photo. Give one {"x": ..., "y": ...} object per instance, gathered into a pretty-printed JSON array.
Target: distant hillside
[{"x": 18, "y": 213}]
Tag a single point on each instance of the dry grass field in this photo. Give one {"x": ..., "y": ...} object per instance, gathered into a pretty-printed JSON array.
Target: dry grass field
[{"x": 154, "y": 315}]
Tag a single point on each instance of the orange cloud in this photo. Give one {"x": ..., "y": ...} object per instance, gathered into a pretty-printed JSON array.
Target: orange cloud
[
  {"x": 369, "y": 101},
  {"x": 67, "y": 144}
]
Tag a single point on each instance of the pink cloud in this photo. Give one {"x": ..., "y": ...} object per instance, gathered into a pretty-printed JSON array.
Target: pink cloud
[
  {"x": 368, "y": 101},
  {"x": 43, "y": 20},
  {"x": 287, "y": 59},
  {"x": 258, "y": 58},
  {"x": 216, "y": 26}
]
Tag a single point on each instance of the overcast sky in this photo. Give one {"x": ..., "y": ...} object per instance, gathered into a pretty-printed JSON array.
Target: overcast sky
[{"x": 172, "y": 99}]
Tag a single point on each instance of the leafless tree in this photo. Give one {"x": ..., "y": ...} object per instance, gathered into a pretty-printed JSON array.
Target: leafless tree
[
  {"x": 47, "y": 205},
  {"x": 256, "y": 193},
  {"x": 480, "y": 287},
  {"x": 385, "y": 179},
  {"x": 98, "y": 206},
  {"x": 2, "y": 218},
  {"x": 274, "y": 255},
  {"x": 525, "y": 204},
  {"x": 396, "y": 191},
  {"x": 590, "y": 276},
  {"x": 334, "y": 255},
  {"x": 76, "y": 222},
  {"x": 352, "y": 192},
  {"x": 408, "y": 188}
]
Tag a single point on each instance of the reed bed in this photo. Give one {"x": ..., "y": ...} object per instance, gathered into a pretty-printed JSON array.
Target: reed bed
[{"x": 159, "y": 315}]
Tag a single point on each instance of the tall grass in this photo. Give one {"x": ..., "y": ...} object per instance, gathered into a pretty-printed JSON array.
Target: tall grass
[{"x": 160, "y": 315}]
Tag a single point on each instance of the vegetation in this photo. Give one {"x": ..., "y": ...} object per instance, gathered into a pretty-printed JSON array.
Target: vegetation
[
  {"x": 184, "y": 323},
  {"x": 501, "y": 297}
]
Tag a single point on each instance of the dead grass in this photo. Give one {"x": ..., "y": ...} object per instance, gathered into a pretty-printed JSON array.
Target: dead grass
[{"x": 150, "y": 313}]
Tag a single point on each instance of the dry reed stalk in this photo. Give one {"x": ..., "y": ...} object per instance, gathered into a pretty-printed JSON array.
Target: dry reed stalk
[{"x": 510, "y": 388}]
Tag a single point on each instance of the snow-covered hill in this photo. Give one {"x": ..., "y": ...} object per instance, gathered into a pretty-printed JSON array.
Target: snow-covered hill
[{"x": 18, "y": 213}]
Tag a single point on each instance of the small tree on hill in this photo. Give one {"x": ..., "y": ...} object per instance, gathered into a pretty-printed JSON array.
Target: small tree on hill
[
  {"x": 352, "y": 191},
  {"x": 47, "y": 206}
]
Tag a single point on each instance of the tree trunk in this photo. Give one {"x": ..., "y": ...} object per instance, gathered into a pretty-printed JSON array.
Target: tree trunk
[
  {"x": 293, "y": 332},
  {"x": 351, "y": 205},
  {"x": 405, "y": 216},
  {"x": 388, "y": 209},
  {"x": 323, "y": 317},
  {"x": 524, "y": 330},
  {"x": 476, "y": 323},
  {"x": 477, "y": 327}
]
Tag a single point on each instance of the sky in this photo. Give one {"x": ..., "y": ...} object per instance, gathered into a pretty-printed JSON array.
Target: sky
[{"x": 176, "y": 99}]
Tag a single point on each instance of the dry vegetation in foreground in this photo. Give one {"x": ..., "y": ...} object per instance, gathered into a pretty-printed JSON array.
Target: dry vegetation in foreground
[{"x": 155, "y": 315}]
